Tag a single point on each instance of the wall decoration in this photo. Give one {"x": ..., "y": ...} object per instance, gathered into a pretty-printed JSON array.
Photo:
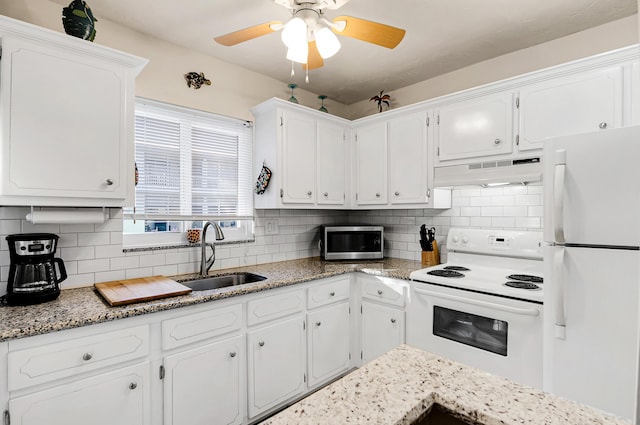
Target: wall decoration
[
  {"x": 263, "y": 179},
  {"x": 322, "y": 108},
  {"x": 196, "y": 80},
  {"x": 381, "y": 99},
  {"x": 193, "y": 235},
  {"x": 78, "y": 20}
]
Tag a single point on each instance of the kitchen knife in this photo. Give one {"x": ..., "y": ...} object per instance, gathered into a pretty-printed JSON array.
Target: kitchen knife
[{"x": 424, "y": 241}]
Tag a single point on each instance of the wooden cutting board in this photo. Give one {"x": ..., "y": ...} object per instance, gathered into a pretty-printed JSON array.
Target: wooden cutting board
[{"x": 128, "y": 291}]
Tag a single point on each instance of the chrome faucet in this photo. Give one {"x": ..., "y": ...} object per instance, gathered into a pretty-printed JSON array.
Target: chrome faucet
[{"x": 205, "y": 263}]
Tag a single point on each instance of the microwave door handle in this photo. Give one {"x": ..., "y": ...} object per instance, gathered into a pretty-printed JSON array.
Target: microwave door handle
[
  {"x": 500, "y": 307},
  {"x": 560, "y": 169},
  {"x": 560, "y": 328}
]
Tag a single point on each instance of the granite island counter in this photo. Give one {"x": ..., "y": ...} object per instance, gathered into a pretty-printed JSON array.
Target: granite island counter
[
  {"x": 401, "y": 386},
  {"x": 84, "y": 306}
]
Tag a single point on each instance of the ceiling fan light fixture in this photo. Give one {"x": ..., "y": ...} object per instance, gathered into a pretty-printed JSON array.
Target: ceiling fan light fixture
[
  {"x": 294, "y": 32},
  {"x": 298, "y": 53},
  {"x": 327, "y": 42}
]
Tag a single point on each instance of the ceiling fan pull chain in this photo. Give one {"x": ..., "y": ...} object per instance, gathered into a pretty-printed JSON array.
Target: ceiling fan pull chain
[
  {"x": 306, "y": 78},
  {"x": 293, "y": 73}
]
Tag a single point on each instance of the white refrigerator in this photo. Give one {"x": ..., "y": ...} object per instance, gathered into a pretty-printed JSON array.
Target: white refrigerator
[{"x": 592, "y": 269}]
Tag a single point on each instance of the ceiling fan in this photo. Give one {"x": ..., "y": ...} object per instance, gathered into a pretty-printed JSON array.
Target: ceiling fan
[{"x": 310, "y": 37}]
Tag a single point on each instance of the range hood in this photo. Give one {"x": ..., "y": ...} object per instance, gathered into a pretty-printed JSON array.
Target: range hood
[{"x": 525, "y": 170}]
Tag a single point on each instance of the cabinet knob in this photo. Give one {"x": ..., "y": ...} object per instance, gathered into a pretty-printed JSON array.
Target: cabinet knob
[
  {"x": 309, "y": 193},
  {"x": 133, "y": 385},
  {"x": 393, "y": 320},
  {"x": 87, "y": 356},
  {"x": 332, "y": 293},
  {"x": 261, "y": 343},
  {"x": 602, "y": 125},
  {"x": 379, "y": 291},
  {"x": 318, "y": 323},
  {"x": 377, "y": 195},
  {"x": 326, "y": 194},
  {"x": 497, "y": 141},
  {"x": 108, "y": 182},
  {"x": 397, "y": 193},
  {"x": 233, "y": 353}
]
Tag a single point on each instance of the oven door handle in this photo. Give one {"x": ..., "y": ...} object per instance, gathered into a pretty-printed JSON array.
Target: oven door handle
[{"x": 505, "y": 308}]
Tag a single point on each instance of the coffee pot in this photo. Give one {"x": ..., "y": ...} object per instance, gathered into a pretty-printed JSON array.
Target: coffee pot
[{"x": 33, "y": 275}]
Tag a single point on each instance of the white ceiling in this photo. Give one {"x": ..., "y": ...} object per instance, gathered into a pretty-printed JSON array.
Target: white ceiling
[{"x": 442, "y": 35}]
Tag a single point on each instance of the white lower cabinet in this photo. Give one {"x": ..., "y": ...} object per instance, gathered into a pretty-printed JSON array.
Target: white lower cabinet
[
  {"x": 206, "y": 384},
  {"x": 382, "y": 329},
  {"x": 276, "y": 371},
  {"x": 118, "y": 397},
  {"x": 329, "y": 343}
]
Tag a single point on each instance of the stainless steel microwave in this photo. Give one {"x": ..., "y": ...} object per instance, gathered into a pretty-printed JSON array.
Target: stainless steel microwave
[{"x": 352, "y": 242}]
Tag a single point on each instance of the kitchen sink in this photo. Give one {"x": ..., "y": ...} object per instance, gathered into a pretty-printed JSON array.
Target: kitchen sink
[
  {"x": 216, "y": 282},
  {"x": 438, "y": 415}
]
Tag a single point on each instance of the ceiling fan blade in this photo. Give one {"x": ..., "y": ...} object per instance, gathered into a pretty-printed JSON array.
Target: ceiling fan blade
[
  {"x": 314, "y": 60},
  {"x": 240, "y": 36},
  {"x": 369, "y": 31}
]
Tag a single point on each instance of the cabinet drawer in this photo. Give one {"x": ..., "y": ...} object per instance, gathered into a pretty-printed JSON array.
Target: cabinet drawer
[
  {"x": 330, "y": 291},
  {"x": 196, "y": 327},
  {"x": 50, "y": 362},
  {"x": 274, "y": 307},
  {"x": 384, "y": 290}
]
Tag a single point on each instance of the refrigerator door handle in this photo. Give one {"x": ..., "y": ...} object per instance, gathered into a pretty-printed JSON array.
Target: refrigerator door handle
[
  {"x": 560, "y": 166},
  {"x": 560, "y": 328}
]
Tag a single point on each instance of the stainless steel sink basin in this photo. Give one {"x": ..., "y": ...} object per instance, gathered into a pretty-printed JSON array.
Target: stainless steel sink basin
[{"x": 216, "y": 282}]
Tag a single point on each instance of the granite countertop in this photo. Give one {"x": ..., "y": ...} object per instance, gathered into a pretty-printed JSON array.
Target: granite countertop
[
  {"x": 400, "y": 387},
  {"x": 84, "y": 306}
]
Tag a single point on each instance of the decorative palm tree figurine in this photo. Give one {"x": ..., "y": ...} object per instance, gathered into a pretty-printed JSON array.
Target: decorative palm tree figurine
[
  {"x": 381, "y": 99},
  {"x": 292, "y": 98},
  {"x": 322, "y": 108}
]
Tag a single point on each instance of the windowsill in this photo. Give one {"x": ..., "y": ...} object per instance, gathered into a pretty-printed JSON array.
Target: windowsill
[{"x": 181, "y": 245}]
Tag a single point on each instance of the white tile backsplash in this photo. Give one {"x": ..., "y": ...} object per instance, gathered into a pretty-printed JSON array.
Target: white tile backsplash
[{"x": 93, "y": 253}]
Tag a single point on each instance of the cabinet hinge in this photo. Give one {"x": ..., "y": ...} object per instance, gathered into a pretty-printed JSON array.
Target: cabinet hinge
[
  {"x": 361, "y": 356},
  {"x": 438, "y": 120},
  {"x": 349, "y": 356},
  {"x": 360, "y": 309},
  {"x": 281, "y": 122},
  {"x": 305, "y": 377},
  {"x": 356, "y": 196},
  {"x": 161, "y": 373},
  {"x": 438, "y": 150},
  {"x": 349, "y": 309},
  {"x": 517, "y": 102},
  {"x": 281, "y": 193},
  {"x": 427, "y": 121},
  {"x": 7, "y": 418},
  {"x": 517, "y": 140},
  {"x": 356, "y": 137},
  {"x": 344, "y": 196},
  {"x": 304, "y": 326}
]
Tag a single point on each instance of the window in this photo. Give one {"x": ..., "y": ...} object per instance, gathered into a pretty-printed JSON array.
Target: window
[{"x": 192, "y": 167}]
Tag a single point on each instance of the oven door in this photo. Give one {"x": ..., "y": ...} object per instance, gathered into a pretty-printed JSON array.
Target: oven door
[{"x": 495, "y": 334}]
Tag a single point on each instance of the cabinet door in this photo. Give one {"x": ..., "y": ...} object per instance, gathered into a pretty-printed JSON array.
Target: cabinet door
[
  {"x": 371, "y": 164},
  {"x": 583, "y": 103},
  {"x": 276, "y": 364},
  {"x": 298, "y": 158},
  {"x": 408, "y": 159},
  {"x": 382, "y": 330},
  {"x": 478, "y": 127},
  {"x": 331, "y": 164},
  {"x": 65, "y": 132},
  {"x": 328, "y": 350},
  {"x": 205, "y": 385},
  {"x": 119, "y": 397}
]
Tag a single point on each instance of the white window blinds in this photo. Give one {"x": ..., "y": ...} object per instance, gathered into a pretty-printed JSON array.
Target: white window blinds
[{"x": 192, "y": 165}]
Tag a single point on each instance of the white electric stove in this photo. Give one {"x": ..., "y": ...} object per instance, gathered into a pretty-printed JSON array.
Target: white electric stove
[{"x": 484, "y": 306}]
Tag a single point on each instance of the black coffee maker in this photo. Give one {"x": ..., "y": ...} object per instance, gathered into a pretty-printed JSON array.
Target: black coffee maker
[{"x": 33, "y": 277}]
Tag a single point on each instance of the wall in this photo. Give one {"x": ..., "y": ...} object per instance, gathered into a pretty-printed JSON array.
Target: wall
[
  {"x": 604, "y": 38},
  {"x": 93, "y": 253},
  {"x": 234, "y": 89}
]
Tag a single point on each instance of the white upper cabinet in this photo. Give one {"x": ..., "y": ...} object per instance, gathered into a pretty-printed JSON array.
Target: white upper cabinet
[
  {"x": 298, "y": 158},
  {"x": 371, "y": 164},
  {"x": 408, "y": 175},
  {"x": 581, "y": 103},
  {"x": 475, "y": 128},
  {"x": 67, "y": 119},
  {"x": 331, "y": 164},
  {"x": 305, "y": 150}
]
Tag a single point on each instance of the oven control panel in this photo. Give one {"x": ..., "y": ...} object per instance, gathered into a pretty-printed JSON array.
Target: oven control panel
[
  {"x": 499, "y": 241},
  {"x": 524, "y": 244}
]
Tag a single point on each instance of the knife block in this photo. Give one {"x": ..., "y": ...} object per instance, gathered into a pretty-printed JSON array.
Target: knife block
[{"x": 431, "y": 258}]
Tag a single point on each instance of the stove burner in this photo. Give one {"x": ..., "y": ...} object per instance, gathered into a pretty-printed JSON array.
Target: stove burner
[
  {"x": 525, "y": 278},
  {"x": 457, "y": 268},
  {"x": 445, "y": 273},
  {"x": 522, "y": 285}
]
